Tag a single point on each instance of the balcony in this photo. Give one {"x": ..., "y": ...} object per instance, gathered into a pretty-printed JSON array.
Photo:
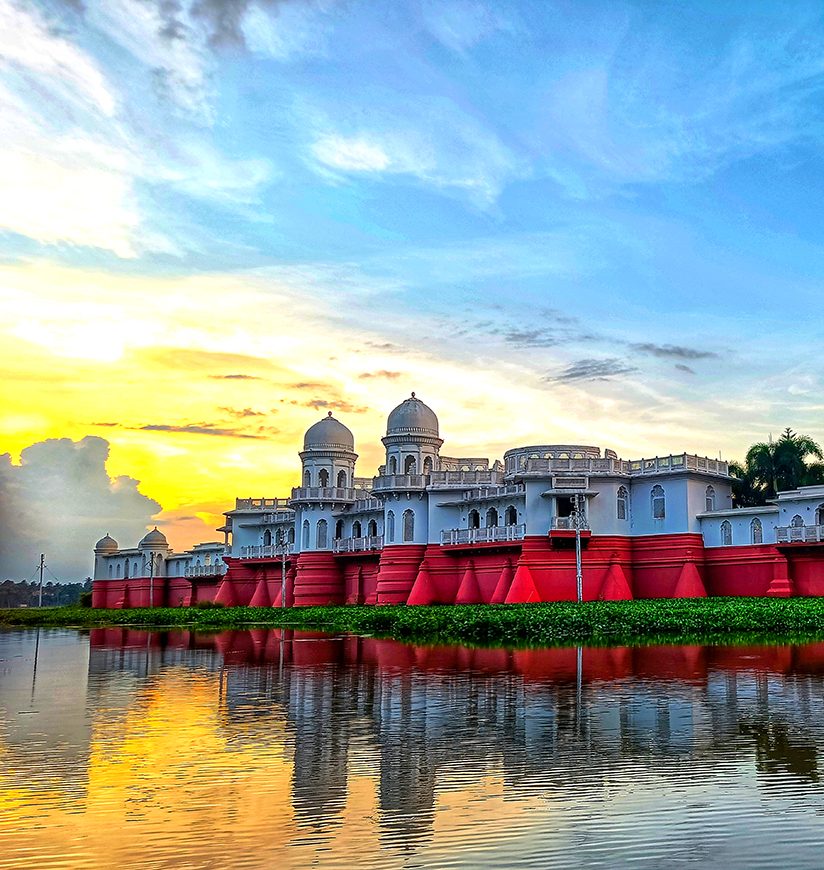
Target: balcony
[
  {"x": 205, "y": 570},
  {"x": 680, "y": 462},
  {"x": 449, "y": 479},
  {"x": 491, "y": 535},
  {"x": 799, "y": 534},
  {"x": 261, "y": 504},
  {"x": 389, "y": 482},
  {"x": 264, "y": 551},
  {"x": 567, "y": 524},
  {"x": 357, "y": 545},
  {"x": 327, "y": 493},
  {"x": 484, "y": 493}
]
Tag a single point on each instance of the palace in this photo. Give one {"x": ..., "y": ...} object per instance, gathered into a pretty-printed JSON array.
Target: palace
[{"x": 435, "y": 529}]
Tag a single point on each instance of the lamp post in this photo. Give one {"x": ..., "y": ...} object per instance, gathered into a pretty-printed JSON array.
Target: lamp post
[
  {"x": 576, "y": 521},
  {"x": 151, "y": 579},
  {"x": 282, "y": 547}
]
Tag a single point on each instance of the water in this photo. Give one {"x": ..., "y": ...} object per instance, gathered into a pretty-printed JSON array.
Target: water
[{"x": 273, "y": 749}]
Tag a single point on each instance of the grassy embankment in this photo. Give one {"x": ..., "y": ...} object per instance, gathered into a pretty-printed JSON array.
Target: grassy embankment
[{"x": 710, "y": 620}]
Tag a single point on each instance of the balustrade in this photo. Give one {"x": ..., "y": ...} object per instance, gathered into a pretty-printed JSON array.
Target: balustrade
[
  {"x": 799, "y": 534},
  {"x": 327, "y": 493},
  {"x": 357, "y": 545},
  {"x": 205, "y": 570},
  {"x": 489, "y": 535},
  {"x": 267, "y": 551}
]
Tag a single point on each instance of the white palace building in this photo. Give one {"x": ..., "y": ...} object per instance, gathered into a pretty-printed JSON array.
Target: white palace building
[{"x": 428, "y": 528}]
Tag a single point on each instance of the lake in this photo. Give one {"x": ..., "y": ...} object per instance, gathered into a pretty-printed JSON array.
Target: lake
[{"x": 270, "y": 748}]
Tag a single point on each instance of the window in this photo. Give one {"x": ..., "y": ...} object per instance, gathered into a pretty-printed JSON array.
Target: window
[
  {"x": 323, "y": 477},
  {"x": 756, "y": 531},
  {"x": 511, "y": 516},
  {"x": 341, "y": 479},
  {"x": 427, "y": 465},
  {"x": 305, "y": 535},
  {"x": 709, "y": 503},
  {"x": 491, "y": 518},
  {"x": 126, "y": 569},
  {"x": 390, "y": 527},
  {"x": 356, "y": 529},
  {"x": 372, "y": 529},
  {"x": 659, "y": 503},
  {"x": 110, "y": 569},
  {"x": 410, "y": 465},
  {"x": 339, "y": 529},
  {"x": 307, "y": 478},
  {"x": 267, "y": 538},
  {"x": 819, "y": 515},
  {"x": 622, "y": 504},
  {"x": 393, "y": 465},
  {"x": 726, "y": 533},
  {"x": 797, "y": 522},
  {"x": 291, "y": 536},
  {"x": 408, "y": 526},
  {"x": 474, "y": 520},
  {"x": 321, "y": 535},
  {"x": 118, "y": 569}
]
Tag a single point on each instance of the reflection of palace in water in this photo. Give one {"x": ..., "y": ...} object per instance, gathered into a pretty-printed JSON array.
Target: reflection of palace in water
[{"x": 424, "y": 719}]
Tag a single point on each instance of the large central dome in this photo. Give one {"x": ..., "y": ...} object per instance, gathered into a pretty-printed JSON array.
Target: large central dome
[
  {"x": 327, "y": 433},
  {"x": 412, "y": 415}
]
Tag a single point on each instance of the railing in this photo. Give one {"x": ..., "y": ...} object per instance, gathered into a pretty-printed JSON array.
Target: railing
[
  {"x": 680, "y": 462},
  {"x": 357, "y": 545},
  {"x": 488, "y": 492},
  {"x": 260, "y": 504},
  {"x": 327, "y": 493},
  {"x": 799, "y": 534},
  {"x": 568, "y": 523},
  {"x": 205, "y": 571},
  {"x": 577, "y": 466},
  {"x": 283, "y": 516},
  {"x": 657, "y": 465},
  {"x": 364, "y": 505},
  {"x": 464, "y": 478},
  {"x": 483, "y": 536},
  {"x": 385, "y": 482},
  {"x": 264, "y": 551}
]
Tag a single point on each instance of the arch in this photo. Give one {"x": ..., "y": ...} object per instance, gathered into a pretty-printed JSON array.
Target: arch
[
  {"x": 408, "y": 525},
  {"x": 726, "y": 533},
  {"x": 622, "y": 503},
  {"x": 390, "y": 527},
  {"x": 797, "y": 522},
  {"x": 320, "y": 540},
  {"x": 305, "y": 535},
  {"x": 491, "y": 518},
  {"x": 267, "y": 538},
  {"x": 756, "y": 531},
  {"x": 709, "y": 498},
  {"x": 410, "y": 465},
  {"x": 659, "y": 502},
  {"x": 393, "y": 465},
  {"x": 819, "y": 515},
  {"x": 339, "y": 529},
  {"x": 125, "y": 570},
  {"x": 307, "y": 478},
  {"x": 356, "y": 529},
  {"x": 118, "y": 572},
  {"x": 111, "y": 569},
  {"x": 291, "y": 535},
  {"x": 372, "y": 529},
  {"x": 427, "y": 465},
  {"x": 341, "y": 479},
  {"x": 323, "y": 477},
  {"x": 511, "y": 516},
  {"x": 474, "y": 520}
]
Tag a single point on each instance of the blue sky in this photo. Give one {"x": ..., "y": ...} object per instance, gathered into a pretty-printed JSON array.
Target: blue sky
[{"x": 582, "y": 221}]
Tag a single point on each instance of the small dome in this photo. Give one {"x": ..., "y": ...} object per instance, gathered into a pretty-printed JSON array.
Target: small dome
[
  {"x": 107, "y": 542},
  {"x": 327, "y": 433},
  {"x": 412, "y": 415},
  {"x": 154, "y": 537}
]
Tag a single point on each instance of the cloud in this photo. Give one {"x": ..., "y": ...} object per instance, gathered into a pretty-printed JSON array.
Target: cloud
[
  {"x": 382, "y": 373},
  {"x": 684, "y": 368},
  {"x": 351, "y": 155},
  {"x": 592, "y": 370},
  {"x": 461, "y": 24},
  {"x": 673, "y": 351},
  {"x": 197, "y": 429},
  {"x": 241, "y": 413},
  {"x": 335, "y": 405},
  {"x": 236, "y": 377},
  {"x": 59, "y": 500}
]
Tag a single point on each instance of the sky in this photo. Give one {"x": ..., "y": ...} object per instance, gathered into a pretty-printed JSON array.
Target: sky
[{"x": 593, "y": 223}]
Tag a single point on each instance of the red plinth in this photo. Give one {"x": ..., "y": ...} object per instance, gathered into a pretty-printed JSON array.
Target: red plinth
[
  {"x": 318, "y": 580},
  {"x": 397, "y": 572}
]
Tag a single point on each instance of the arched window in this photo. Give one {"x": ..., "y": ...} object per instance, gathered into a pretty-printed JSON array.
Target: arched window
[
  {"x": 321, "y": 536},
  {"x": 356, "y": 529},
  {"x": 491, "y": 518},
  {"x": 819, "y": 515},
  {"x": 659, "y": 503},
  {"x": 307, "y": 478},
  {"x": 474, "y": 520},
  {"x": 372, "y": 529},
  {"x": 291, "y": 536},
  {"x": 305, "y": 536},
  {"x": 341, "y": 479},
  {"x": 323, "y": 477},
  {"x": 756, "y": 531},
  {"x": 125, "y": 569},
  {"x": 110, "y": 569},
  {"x": 408, "y": 526},
  {"x": 709, "y": 499},
  {"x": 410, "y": 465},
  {"x": 511, "y": 516},
  {"x": 390, "y": 527},
  {"x": 427, "y": 465},
  {"x": 726, "y": 533},
  {"x": 267, "y": 538},
  {"x": 797, "y": 522},
  {"x": 339, "y": 529},
  {"x": 622, "y": 503},
  {"x": 393, "y": 465}
]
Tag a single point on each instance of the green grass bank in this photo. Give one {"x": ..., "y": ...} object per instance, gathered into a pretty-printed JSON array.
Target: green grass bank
[{"x": 709, "y": 620}]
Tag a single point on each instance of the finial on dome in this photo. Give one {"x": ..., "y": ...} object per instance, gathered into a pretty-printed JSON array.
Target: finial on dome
[
  {"x": 328, "y": 413},
  {"x": 413, "y": 394}
]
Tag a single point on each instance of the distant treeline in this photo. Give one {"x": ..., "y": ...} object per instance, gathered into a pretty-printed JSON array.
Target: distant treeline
[{"x": 23, "y": 594}]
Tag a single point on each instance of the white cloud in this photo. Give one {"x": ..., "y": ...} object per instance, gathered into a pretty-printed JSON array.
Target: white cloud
[
  {"x": 461, "y": 24},
  {"x": 356, "y": 154}
]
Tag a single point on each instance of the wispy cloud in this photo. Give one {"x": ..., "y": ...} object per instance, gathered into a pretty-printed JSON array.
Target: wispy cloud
[
  {"x": 592, "y": 370},
  {"x": 197, "y": 429},
  {"x": 673, "y": 351}
]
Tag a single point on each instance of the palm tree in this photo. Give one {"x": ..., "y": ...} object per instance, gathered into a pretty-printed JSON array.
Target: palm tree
[
  {"x": 747, "y": 491},
  {"x": 782, "y": 465}
]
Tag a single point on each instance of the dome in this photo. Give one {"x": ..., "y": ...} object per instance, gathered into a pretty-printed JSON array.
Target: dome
[
  {"x": 327, "y": 433},
  {"x": 107, "y": 542},
  {"x": 412, "y": 415},
  {"x": 154, "y": 537}
]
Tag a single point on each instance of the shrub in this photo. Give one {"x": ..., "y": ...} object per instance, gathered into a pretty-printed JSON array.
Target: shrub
[{"x": 85, "y": 599}]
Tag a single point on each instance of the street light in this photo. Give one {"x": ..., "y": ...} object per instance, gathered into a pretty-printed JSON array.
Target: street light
[
  {"x": 282, "y": 547},
  {"x": 577, "y": 517},
  {"x": 151, "y": 579}
]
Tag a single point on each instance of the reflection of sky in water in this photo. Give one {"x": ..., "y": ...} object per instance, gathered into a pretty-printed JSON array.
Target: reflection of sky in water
[{"x": 262, "y": 749}]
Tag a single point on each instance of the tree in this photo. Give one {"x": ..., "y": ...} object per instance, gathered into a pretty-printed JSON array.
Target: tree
[{"x": 774, "y": 466}]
